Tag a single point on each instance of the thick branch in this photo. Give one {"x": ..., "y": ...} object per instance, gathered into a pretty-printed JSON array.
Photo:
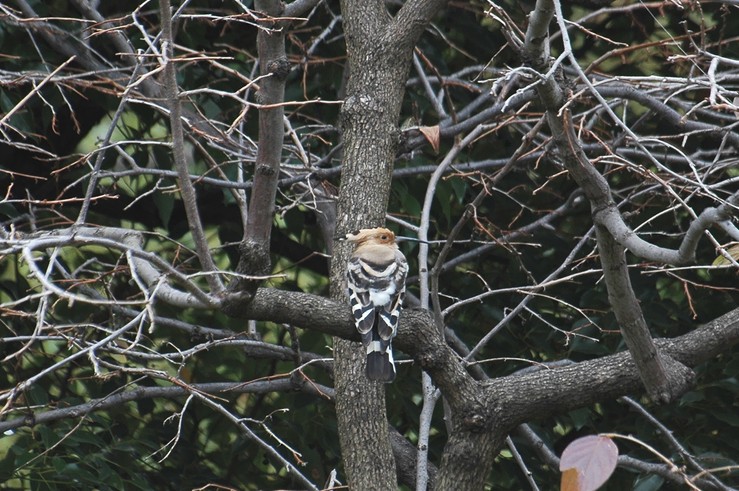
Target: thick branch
[
  {"x": 662, "y": 384},
  {"x": 540, "y": 394},
  {"x": 378, "y": 62},
  {"x": 409, "y": 23},
  {"x": 274, "y": 68}
]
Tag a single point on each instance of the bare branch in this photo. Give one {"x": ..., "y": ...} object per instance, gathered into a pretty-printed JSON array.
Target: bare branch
[{"x": 178, "y": 150}]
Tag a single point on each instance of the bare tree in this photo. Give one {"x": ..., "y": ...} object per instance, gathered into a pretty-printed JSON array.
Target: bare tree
[{"x": 541, "y": 173}]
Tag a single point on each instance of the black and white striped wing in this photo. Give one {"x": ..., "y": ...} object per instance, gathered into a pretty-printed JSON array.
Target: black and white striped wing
[
  {"x": 387, "y": 325},
  {"x": 359, "y": 298}
]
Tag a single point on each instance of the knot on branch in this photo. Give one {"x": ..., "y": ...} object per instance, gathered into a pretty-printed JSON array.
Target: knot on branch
[
  {"x": 254, "y": 258},
  {"x": 361, "y": 105},
  {"x": 475, "y": 423},
  {"x": 265, "y": 170},
  {"x": 429, "y": 358},
  {"x": 279, "y": 68},
  {"x": 539, "y": 59},
  {"x": 254, "y": 265},
  {"x": 475, "y": 417},
  {"x": 235, "y": 303}
]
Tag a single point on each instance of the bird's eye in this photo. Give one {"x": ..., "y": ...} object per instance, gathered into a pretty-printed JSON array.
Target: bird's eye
[{"x": 383, "y": 237}]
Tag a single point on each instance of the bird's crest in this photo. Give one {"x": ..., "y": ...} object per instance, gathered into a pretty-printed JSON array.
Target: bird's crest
[{"x": 377, "y": 236}]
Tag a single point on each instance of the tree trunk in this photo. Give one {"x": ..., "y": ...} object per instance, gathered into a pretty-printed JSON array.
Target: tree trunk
[{"x": 379, "y": 50}]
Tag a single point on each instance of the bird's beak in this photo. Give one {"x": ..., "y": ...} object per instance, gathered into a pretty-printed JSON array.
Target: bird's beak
[
  {"x": 344, "y": 238},
  {"x": 400, "y": 238}
]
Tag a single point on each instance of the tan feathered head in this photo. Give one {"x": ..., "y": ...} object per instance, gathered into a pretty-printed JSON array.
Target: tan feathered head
[{"x": 372, "y": 236}]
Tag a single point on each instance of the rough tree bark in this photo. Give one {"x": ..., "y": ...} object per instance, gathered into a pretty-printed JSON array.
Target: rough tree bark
[{"x": 379, "y": 50}]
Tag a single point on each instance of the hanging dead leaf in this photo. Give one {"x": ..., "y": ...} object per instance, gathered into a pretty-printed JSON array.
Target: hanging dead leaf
[{"x": 432, "y": 135}]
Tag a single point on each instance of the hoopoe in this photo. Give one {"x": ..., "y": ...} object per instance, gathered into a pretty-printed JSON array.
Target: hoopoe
[{"x": 376, "y": 285}]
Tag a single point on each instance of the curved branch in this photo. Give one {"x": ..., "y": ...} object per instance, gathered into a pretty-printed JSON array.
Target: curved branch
[
  {"x": 142, "y": 263},
  {"x": 409, "y": 23},
  {"x": 662, "y": 381},
  {"x": 298, "y": 8}
]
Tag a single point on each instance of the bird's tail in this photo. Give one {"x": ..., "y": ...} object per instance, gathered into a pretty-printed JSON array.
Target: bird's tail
[{"x": 380, "y": 363}]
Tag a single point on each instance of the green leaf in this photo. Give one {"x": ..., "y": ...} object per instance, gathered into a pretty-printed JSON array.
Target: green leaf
[
  {"x": 581, "y": 417},
  {"x": 165, "y": 205},
  {"x": 650, "y": 483},
  {"x": 48, "y": 437},
  {"x": 691, "y": 397},
  {"x": 732, "y": 251},
  {"x": 7, "y": 467},
  {"x": 58, "y": 464},
  {"x": 731, "y": 418}
]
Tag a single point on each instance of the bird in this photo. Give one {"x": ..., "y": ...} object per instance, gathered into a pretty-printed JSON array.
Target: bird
[{"x": 375, "y": 275}]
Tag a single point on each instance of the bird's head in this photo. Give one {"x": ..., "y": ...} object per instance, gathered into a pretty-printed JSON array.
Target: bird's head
[{"x": 367, "y": 236}]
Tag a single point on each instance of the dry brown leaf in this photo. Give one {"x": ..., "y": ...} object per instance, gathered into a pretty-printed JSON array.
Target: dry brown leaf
[
  {"x": 570, "y": 480},
  {"x": 432, "y": 135}
]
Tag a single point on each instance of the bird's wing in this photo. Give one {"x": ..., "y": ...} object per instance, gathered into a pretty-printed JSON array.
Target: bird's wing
[
  {"x": 359, "y": 297},
  {"x": 387, "y": 327}
]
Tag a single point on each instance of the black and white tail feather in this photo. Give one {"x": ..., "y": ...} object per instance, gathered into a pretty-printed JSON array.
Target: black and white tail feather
[{"x": 376, "y": 275}]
